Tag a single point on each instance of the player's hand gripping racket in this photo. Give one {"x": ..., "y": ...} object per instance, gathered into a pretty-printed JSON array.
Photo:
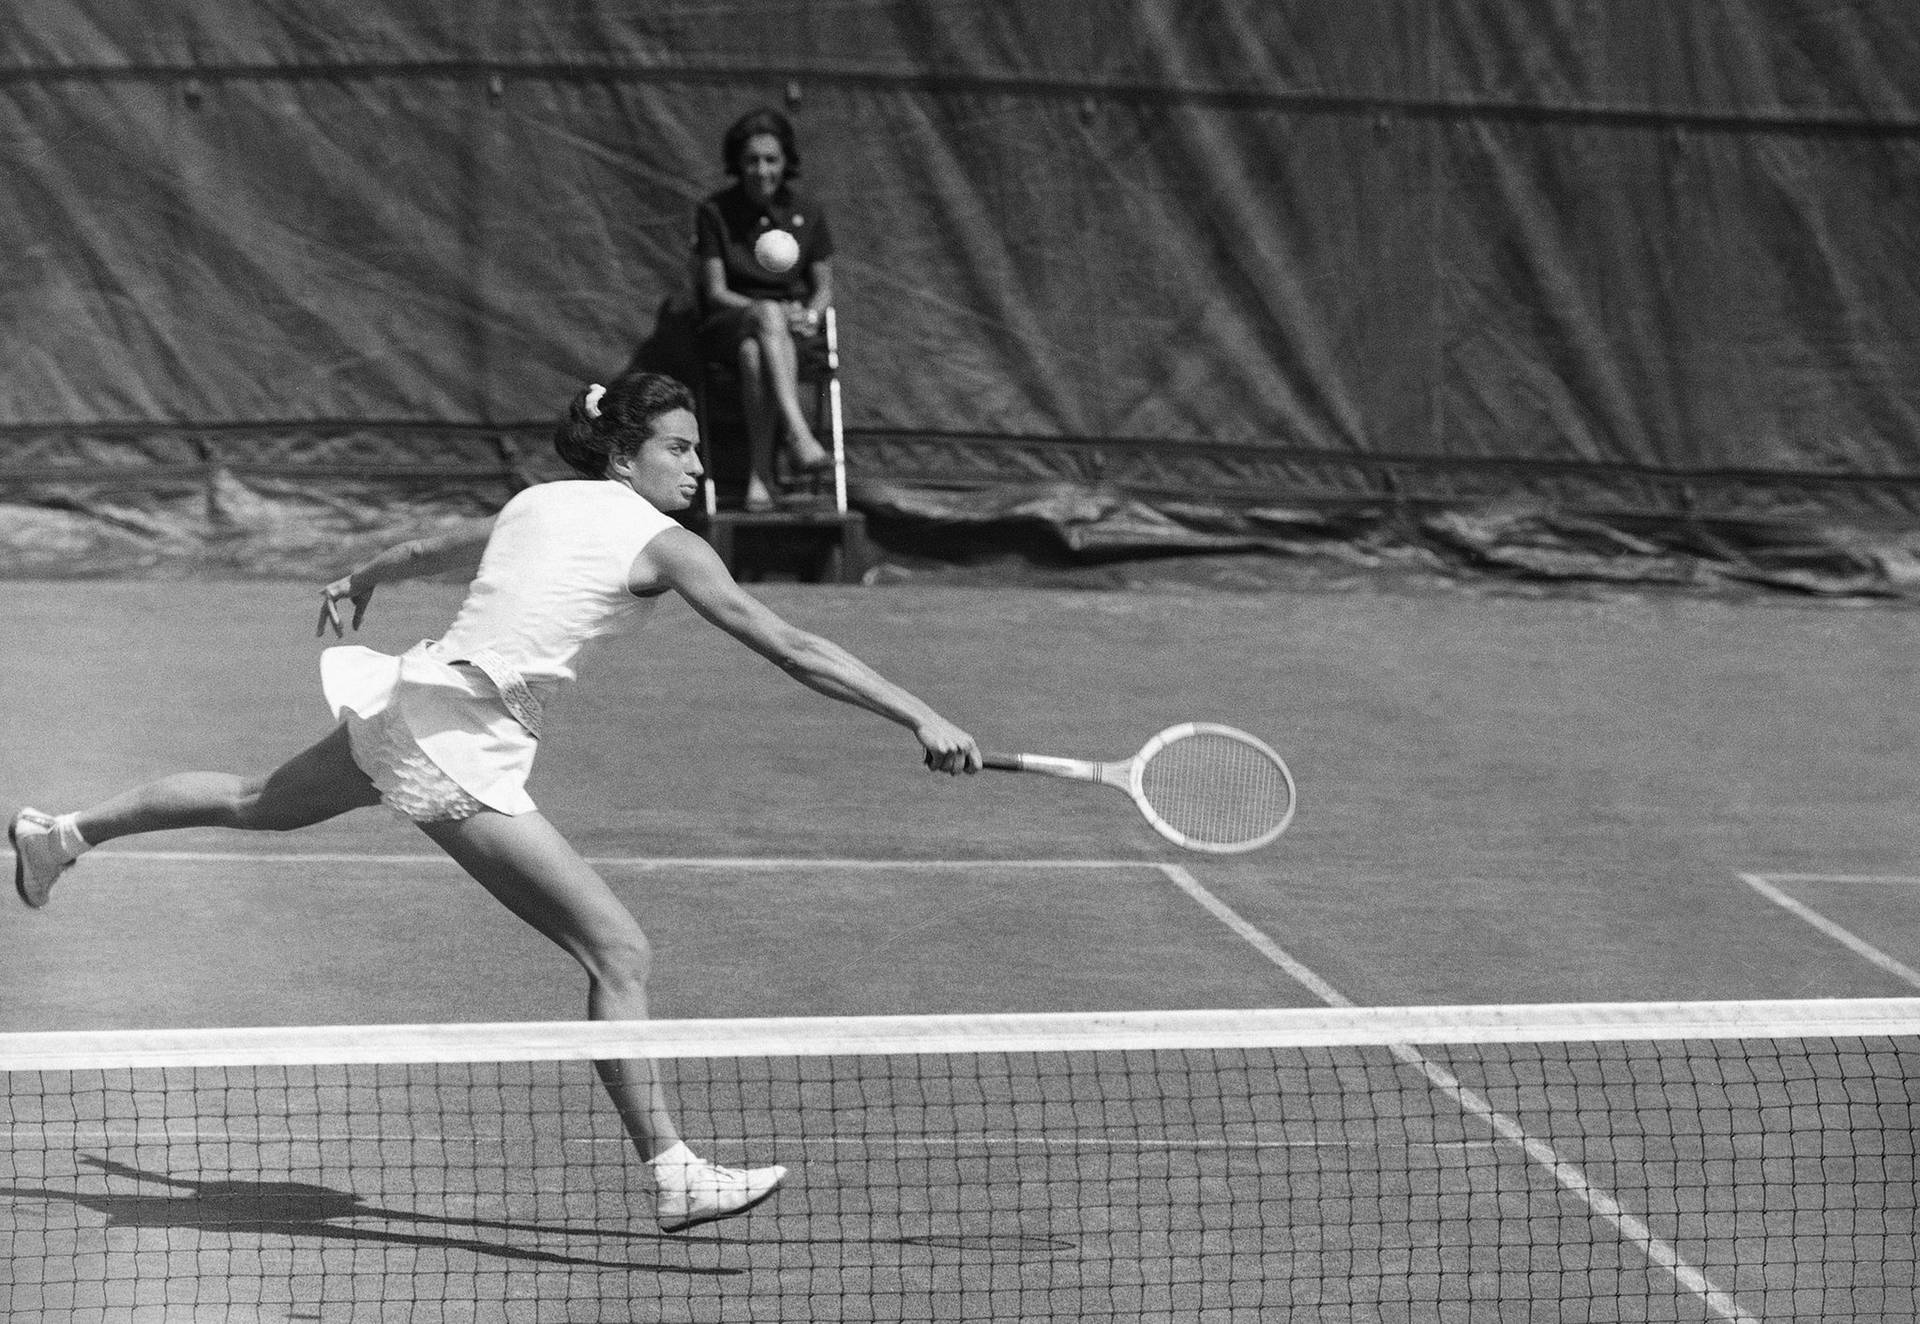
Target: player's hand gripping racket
[{"x": 1202, "y": 786}]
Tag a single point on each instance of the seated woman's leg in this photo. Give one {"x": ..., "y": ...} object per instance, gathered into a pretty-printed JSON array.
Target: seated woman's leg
[
  {"x": 762, "y": 421},
  {"x": 780, "y": 372}
]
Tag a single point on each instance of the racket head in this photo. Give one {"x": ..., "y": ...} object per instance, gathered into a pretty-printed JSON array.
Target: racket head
[{"x": 1208, "y": 787}]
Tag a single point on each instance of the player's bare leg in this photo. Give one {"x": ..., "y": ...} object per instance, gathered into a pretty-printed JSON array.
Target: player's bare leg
[
  {"x": 320, "y": 782},
  {"x": 531, "y": 869}
]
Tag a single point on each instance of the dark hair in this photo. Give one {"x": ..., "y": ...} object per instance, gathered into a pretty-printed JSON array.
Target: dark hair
[
  {"x": 624, "y": 418},
  {"x": 752, "y": 124}
]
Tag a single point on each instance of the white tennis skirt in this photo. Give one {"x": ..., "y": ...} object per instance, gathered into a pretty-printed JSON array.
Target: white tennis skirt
[{"x": 436, "y": 738}]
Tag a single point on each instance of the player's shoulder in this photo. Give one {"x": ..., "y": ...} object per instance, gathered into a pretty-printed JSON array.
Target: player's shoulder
[
  {"x": 553, "y": 491},
  {"x": 677, "y": 550},
  {"x": 674, "y": 557},
  {"x": 567, "y": 498}
]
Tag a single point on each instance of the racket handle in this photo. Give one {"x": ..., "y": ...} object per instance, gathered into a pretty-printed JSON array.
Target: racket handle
[{"x": 1075, "y": 769}]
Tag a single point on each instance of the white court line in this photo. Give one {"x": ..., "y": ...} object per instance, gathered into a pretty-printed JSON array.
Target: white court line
[
  {"x": 612, "y": 861},
  {"x": 1629, "y": 1227},
  {"x": 1267, "y": 947},
  {"x": 1888, "y": 879},
  {"x": 1763, "y": 884}
]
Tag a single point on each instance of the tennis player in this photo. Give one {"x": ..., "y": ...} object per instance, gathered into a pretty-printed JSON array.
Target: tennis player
[{"x": 446, "y": 733}]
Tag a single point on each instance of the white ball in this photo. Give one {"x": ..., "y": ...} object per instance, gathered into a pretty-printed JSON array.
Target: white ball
[{"x": 777, "y": 251}]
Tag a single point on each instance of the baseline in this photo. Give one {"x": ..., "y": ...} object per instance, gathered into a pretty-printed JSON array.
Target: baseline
[{"x": 617, "y": 861}]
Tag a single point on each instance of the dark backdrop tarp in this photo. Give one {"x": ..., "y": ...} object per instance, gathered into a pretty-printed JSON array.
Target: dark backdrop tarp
[{"x": 1606, "y": 258}]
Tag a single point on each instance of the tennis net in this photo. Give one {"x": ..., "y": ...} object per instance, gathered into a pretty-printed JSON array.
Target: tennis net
[{"x": 1695, "y": 1161}]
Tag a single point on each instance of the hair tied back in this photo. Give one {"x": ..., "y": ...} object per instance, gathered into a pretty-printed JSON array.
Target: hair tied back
[{"x": 591, "y": 405}]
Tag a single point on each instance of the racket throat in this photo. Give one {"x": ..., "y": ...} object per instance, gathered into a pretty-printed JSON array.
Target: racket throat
[{"x": 1079, "y": 770}]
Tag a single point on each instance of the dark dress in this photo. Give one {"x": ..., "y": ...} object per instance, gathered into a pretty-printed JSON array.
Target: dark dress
[{"x": 726, "y": 226}]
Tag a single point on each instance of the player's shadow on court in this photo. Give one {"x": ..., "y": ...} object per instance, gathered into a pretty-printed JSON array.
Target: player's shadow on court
[{"x": 301, "y": 1209}]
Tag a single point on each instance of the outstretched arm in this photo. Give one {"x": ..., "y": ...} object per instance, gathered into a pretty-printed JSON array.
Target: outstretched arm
[
  {"x": 682, "y": 561},
  {"x": 457, "y": 548}
]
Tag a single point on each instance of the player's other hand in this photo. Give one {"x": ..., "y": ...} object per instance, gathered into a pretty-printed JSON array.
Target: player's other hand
[
  {"x": 948, "y": 748},
  {"x": 330, "y": 598}
]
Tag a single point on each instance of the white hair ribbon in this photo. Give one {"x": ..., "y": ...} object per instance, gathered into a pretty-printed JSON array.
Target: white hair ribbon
[{"x": 592, "y": 404}]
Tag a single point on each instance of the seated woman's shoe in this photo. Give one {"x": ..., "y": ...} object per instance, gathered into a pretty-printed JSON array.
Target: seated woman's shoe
[
  {"x": 805, "y": 454},
  {"x": 807, "y": 480}
]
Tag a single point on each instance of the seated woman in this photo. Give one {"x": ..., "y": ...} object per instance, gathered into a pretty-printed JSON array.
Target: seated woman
[{"x": 759, "y": 319}]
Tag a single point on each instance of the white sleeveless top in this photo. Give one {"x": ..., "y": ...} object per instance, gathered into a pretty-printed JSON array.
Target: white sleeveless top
[{"x": 553, "y": 576}]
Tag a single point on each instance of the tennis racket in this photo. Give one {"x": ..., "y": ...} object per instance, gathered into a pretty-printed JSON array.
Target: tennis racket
[{"x": 1200, "y": 785}]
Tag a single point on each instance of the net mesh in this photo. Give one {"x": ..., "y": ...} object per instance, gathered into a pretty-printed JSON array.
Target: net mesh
[
  {"x": 1230, "y": 1168},
  {"x": 1216, "y": 790}
]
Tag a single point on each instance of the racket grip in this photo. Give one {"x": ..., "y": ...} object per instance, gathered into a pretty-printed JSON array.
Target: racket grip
[{"x": 1003, "y": 762}]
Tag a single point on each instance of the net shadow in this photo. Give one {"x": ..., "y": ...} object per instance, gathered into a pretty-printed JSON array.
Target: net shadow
[{"x": 310, "y": 1210}]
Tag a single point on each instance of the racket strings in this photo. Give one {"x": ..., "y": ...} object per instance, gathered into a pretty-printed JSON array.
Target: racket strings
[{"x": 1216, "y": 790}]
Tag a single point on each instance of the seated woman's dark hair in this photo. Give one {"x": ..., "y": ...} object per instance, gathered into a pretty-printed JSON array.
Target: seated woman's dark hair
[
  {"x": 618, "y": 422},
  {"x": 755, "y": 122}
]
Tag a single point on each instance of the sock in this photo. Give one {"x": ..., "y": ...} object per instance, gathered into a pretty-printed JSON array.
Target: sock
[
  {"x": 675, "y": 1164},
  {"x": 66, "y": 835},
  {"x": 678, "y": 1155}
]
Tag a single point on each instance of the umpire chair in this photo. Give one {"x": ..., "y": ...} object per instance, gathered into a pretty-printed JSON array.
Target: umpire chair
[{"x": 820, "y": 538}]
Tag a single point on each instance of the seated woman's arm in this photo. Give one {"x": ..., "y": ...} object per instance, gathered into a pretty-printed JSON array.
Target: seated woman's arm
[
  {"x": 804, "y": 318},
  {"x": 811, "y": 313},
  {"x": 714, "y": 287}
]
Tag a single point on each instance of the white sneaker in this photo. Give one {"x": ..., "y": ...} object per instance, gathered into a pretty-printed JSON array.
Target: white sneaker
[
  {"x": 690, "y": 1194},
  {"x": 36, "y": 855}
]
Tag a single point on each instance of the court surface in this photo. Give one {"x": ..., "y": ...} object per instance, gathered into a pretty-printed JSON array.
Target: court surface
[{"x": 1505, "y": 799}]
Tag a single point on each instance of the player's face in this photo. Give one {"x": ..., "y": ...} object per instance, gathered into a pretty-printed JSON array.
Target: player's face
[
  {"x": 762, "y": 166},
  {"x": 666, "y": 469}
]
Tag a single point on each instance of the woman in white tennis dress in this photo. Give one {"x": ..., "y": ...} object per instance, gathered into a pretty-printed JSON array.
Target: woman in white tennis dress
[{"x": 446, "y": 734}]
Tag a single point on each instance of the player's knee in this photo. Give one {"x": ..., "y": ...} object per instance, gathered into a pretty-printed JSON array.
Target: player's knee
[
  {"x": 622, "y": 960},
  {"x": 242, "y": 803},
  {"x": 252, "y": 809}
]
